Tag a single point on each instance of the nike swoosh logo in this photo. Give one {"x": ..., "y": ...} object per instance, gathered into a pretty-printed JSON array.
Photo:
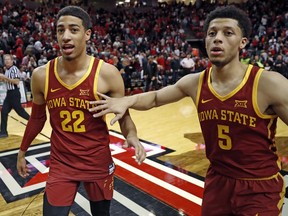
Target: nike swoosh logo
[
  {"x": 54, "y": 90},
  {"x": 206, "y": 101}
]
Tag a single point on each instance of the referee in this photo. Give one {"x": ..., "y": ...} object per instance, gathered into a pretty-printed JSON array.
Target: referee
[{"x": 13, "y": 97}]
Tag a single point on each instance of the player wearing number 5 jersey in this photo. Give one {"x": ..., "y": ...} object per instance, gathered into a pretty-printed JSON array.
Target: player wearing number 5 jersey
[
  {"x": 79, "y": 143},
  {"x": 225, "y": 118},
  {"x": 240, "y": 147},
  {"x": 238, "y": 106}
]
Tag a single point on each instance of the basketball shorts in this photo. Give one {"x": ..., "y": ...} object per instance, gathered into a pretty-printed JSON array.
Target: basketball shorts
[
  {"x": 225, "y": 196},
  {"x": 61, "y": 192}
]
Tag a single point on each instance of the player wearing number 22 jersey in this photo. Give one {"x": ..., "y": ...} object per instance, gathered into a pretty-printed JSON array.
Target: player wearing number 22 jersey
[{"x": 78, "y": 141}]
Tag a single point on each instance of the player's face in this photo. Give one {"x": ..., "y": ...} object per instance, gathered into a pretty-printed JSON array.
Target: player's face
[
  {"x": 224, "y": 40},
  {"x": 72, "y": 37}
]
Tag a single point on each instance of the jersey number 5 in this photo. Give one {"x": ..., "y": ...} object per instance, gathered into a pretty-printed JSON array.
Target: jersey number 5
[
  {"x": 224, "y": 138},
  {"x": 77, "y": 116}
]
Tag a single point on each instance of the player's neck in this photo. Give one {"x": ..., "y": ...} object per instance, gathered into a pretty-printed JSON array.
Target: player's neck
[
  {"x": 76, "y": 64},
  {"x": 228, "y": 72}
]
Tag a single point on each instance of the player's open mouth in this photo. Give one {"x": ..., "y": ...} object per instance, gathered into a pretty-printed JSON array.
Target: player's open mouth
[
  {"x": 67, "y": 49},
  {"x": 216, "y": 50}
]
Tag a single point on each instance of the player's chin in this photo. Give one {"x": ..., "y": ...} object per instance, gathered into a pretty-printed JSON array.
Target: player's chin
[
  {"x": 68, "y": 57},
  {"x": 217, "y": 62}
]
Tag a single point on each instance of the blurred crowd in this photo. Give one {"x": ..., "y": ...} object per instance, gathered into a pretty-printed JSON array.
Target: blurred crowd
[{"x": 147, "y": 44}]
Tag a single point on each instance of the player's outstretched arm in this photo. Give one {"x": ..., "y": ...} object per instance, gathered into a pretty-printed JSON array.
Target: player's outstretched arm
[
  {"x": 186, "y": 86},
  {"x": 118, "y": 106},
  {"x": 143, "y": 101}
]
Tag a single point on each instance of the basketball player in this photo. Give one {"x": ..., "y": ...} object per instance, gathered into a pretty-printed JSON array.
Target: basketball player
[
  {"x": 79, "y": 143},
  {"x": 238, "y": 106}
]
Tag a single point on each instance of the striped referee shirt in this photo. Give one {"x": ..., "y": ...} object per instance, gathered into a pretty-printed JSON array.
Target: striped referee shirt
[{"x": 12, "y": 73}]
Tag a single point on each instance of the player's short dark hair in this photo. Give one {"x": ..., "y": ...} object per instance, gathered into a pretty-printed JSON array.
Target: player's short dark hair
[
  {"x": 231, "y": 12},
  {"x": 76, "y": 12}
]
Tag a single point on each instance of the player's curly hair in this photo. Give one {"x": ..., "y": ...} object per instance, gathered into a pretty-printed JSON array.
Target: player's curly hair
[
  {"x": 76, "y": 12},
  {"x": 231, "y": 12}
]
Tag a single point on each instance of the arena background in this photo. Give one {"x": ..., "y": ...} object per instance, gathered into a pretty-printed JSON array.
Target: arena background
[{"x": 183, "y": 150}]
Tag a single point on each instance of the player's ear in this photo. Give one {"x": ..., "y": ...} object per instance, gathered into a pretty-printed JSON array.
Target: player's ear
[
  {"x": 243, "y": 43},
  {"x": 87, "y": 34}
]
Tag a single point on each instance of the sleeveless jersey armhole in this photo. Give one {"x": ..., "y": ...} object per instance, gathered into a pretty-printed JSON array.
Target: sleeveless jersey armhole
[
  {"x": 96, "y": 78},
  {"x": 47, "y": 80},
  {"x": 254, "y": 97},
  {"x": 200, "y": 82}
]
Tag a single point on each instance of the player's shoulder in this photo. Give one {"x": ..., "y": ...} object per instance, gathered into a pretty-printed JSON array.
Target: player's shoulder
[
  {"x": 189, "y": 84},
  {"x": 108, "y": 66},
  {"x": 108, "y": 70},
  {"x": 40, "y": 71},
  {"x": 271, "y": 76},
  {"x": 192, "y": 78},
  {"x": 271, "y": 82}
]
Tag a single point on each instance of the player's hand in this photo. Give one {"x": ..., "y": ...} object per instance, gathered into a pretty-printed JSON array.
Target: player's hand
[
  {"x": 140, "y": 153},
  {"x": 118, "y": 106},
  {"x": 22, "y": 168}
]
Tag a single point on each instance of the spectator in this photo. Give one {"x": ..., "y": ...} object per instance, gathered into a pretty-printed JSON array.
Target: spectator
[
  {"x": 280, "y": 66},
  {"x": 32, "y": 62},
  {"x": 25, "y": 77},
  {"x": 19, "y": 54},
  {"x": 176, "y": 68},
  {"x": 2, "y": 59},
  {"x": 187, "y": 64},
  {"x": 42, "y": 60},
  {"x": 150, "y": 74}
]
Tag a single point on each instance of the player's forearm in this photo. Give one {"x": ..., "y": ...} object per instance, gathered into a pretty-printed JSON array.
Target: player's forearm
[
  {"x": 143, "y": 101},
  {"x": 34, "y": 126},
  {"x": 21, "y": 154},
  {"x": 128, "y": 127}
]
